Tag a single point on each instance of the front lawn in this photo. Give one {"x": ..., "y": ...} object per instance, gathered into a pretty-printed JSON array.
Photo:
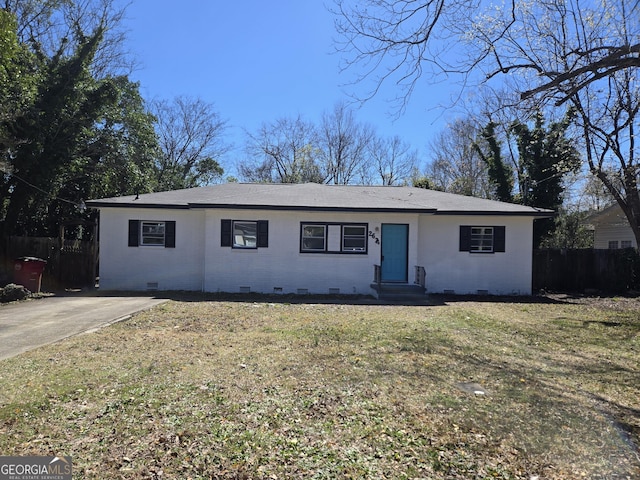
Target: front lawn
[{"x": 259, "y": 390}]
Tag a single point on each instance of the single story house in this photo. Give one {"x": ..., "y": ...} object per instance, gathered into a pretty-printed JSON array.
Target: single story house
[
  {"x": 316, "y": 239},
  {"x": 611, "y": 229}
]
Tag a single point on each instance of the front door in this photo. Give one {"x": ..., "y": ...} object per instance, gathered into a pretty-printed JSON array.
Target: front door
[{"x": 395, "y": 250}]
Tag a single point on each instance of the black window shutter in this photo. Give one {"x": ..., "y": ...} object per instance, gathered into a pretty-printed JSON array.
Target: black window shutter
[
  {"x": 134, "y": 231},
  {"x": 263, "y": 233},
  {"x": 465, "y": 238},
  {"x": 499, "y": 239},
  {"x": 225, "y": 233},
  {"x": 170, "y": 234}
]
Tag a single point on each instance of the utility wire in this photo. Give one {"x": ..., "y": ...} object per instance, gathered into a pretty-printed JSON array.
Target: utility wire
[{"x": 79, "y": 205}]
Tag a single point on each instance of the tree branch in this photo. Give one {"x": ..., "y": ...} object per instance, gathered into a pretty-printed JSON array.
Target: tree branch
[{"x": 617, "y": 60}]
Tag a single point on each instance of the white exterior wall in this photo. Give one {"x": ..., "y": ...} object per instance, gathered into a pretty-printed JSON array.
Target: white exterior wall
[
  {"x": 199, "y": 263},
  {"x": 282, "y": 266},
  {"x": 500, "y": 273},
  {"x": 134, "y": 268}
]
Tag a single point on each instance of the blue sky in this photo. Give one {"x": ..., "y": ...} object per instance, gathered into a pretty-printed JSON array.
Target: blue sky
[{"x": 258, "y": 61}]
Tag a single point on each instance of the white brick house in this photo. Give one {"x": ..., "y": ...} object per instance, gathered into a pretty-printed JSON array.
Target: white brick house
[{"x": 317, "y": 239}]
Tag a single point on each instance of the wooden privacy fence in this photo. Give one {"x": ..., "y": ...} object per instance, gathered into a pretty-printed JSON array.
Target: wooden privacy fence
[
  {"x": 580, "y": 270},
  {"x": 70, "y": 263}
]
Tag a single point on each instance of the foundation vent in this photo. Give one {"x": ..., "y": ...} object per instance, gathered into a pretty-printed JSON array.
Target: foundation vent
[
  {"x": 302, "y": 291},
  {"x": 334, "y": 291},
  {"x": 152, "y": 285},
  {"x": 245, "y": 289}
]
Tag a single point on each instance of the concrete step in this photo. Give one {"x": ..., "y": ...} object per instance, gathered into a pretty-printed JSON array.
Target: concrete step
[{"x": 398, "y": 290}]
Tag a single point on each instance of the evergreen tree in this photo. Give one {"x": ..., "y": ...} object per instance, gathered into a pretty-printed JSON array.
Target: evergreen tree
[
  {"x": 545, "y": 156},
  {"x": 77, "y": 137},
  {"x": 500, "y": 173}
]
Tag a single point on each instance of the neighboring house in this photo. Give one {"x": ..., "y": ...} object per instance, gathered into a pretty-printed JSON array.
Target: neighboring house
[
  {"x": 611, "y": 229},
  {"x": 316, "y": 239}
]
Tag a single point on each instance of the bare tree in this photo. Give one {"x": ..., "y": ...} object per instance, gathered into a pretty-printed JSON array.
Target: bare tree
[
  {"x": 604, "y": 87},
  {"x": 609, "y": 127},
  {"x": 340, "y": 151},
  {"x": 393, "y": 161},
  {"x": 285, "y": 151},
  {"x": 402, "y": 40},
  {"x": 190, "y": 134},
  {"x": 344, "y": 143},
  {"x": 55, "y": 27},
  {"x": 392, "y": 40},
  {"x": 457, "y": 166},
  {"x": 581, "y": 52},
  {"x": 594, "y": 195}
]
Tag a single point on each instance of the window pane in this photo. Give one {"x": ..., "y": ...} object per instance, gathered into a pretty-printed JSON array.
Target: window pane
[
  {"x": 152, "y": 233},
  {"x": 313, "y": 238},
  {"x": 351, "y": 230},
  {"x": 313, "y": 231},
  {"x": 356, "y": 244},
  {"x": 354, "y": 238},
  {"x": 313, "y": 243},
  {"x": 482, "y": 239},
  {"x": 245, "y": 234}
]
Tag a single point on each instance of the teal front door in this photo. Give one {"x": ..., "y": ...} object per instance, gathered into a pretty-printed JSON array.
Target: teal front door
[{"x": 395, "y": 250}]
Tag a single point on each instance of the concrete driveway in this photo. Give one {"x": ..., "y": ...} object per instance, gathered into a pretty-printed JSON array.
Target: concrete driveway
[{"x": 31, "y": 324}]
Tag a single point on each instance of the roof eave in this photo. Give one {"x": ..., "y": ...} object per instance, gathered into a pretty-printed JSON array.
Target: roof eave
[
  {"x": 99, "y": 204},
  {"x": 190, "y": 206},
  {"x": 432, "y": 211},
  {"x": 537, "y": 214}
]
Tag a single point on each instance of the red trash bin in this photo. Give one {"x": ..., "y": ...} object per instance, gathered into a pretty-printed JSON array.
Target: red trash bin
[{"x": 27, "y": 271}]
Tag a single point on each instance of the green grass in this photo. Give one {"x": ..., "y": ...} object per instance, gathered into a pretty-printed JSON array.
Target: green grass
[{"x": 216, "y": 389}]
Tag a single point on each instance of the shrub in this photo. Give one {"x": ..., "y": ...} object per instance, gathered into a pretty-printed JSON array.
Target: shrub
[{"x": 13, "y": 292}]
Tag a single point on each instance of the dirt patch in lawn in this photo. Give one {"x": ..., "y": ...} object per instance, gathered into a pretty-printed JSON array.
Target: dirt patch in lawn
[{"x": 266, "y": 390}]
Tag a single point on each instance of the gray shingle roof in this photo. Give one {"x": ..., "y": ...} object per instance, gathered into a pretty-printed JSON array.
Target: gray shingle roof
[{"x": 312, "y": 196}]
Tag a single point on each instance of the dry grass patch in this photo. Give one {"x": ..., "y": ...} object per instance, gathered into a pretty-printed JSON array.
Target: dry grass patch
[{"x": 273, "y": 390}]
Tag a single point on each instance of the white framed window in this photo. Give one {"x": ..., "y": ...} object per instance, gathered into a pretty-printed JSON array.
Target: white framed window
[
  {"x": 313, "y": 238},
  {"x": 333, "y": 238},
  {"x": 354, "y": 238},
  {"x": 245, "y": 234},
  {"x": 625, "y": 244},
  {"x": 152, "y": 233},
  {"x": 613, "y": 244},
  {"x": 481, "y": 240}
]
